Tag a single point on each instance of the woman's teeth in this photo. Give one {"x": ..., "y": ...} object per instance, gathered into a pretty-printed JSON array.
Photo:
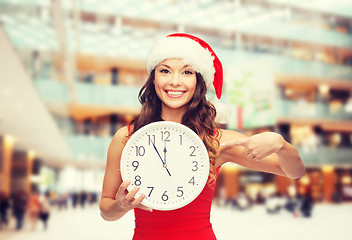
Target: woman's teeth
[{"x": 174, "y": 93}]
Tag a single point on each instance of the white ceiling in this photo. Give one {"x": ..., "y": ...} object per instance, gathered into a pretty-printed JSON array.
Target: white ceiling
[{"x": 23, "y": 114}]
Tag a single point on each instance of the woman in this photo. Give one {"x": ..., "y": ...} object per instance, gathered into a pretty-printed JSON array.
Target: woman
[{"x": 181, "y": 68}]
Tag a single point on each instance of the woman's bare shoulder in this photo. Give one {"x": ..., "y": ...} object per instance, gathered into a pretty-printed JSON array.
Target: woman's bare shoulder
[
  {"x": 120, "y": 136},
  {"x": 116, "y": 146}
]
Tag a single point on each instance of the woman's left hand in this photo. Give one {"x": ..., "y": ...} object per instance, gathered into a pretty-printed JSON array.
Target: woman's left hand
[{"x": 257, "y": 146}]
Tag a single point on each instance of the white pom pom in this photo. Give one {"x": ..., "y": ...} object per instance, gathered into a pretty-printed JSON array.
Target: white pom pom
[{"x": 222, "y": 111}]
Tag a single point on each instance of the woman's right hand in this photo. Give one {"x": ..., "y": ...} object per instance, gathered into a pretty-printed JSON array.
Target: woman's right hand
[{"x": 126, "y": 200}]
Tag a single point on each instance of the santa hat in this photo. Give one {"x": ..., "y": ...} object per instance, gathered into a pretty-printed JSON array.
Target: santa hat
[{"x": 197, "y": 53}]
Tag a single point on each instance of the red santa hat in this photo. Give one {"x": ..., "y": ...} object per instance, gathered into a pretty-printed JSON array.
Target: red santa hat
[{"x": 197, "y": 53}]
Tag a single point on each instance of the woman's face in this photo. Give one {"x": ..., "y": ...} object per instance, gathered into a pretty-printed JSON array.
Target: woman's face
[{"x": 175, "y": 83}]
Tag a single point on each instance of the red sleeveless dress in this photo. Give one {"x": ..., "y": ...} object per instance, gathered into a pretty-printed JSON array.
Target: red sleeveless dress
[{"x": 190, "y": 222}]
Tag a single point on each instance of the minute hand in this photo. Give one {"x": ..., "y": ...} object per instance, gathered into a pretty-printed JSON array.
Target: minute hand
[{"x": 164, "y": 165}]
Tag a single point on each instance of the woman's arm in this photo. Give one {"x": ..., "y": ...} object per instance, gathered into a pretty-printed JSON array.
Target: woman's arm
[
  {"x": 115, "y": 201},
  {"x": 267, "y": 152}
]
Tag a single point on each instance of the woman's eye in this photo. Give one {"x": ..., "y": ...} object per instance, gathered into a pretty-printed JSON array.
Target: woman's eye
[
  {"x": 188, "y": 72},
  {"x": 164, "y": 71}
]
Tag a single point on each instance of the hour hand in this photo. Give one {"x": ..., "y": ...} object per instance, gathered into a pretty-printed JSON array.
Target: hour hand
[{"x": 165, "y": 152}]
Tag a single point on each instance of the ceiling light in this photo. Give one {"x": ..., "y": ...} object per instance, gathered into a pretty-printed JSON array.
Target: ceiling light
[
  {"x": 324, "y": 89},
  {"x": 31, "y": 154},
  {"x": 9, "y": 140}
]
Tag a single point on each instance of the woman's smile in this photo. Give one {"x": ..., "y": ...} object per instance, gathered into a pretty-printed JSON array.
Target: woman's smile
[{"x": 174, "y": 93}]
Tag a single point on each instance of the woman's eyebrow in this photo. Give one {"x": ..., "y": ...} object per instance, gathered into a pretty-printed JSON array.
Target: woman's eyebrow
[{"x": 162, "y": 64}]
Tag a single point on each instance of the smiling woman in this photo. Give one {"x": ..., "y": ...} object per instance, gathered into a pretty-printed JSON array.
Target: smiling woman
[{"x": 181, "y": 68}]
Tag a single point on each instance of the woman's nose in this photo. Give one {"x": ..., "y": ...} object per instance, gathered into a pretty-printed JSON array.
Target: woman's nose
[{"x": 175, "y": 79}]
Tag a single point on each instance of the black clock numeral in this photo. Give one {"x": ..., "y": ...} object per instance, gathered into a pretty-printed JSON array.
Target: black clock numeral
[
  {"x": 135, "y": 164},
  {"x": 151, "y": 190},
  {"x": 194, "y": 149},
  {"x": 195, "y": 167},
  {"x": 164, "y": 197},
  {"x": 140, "y": 151},
  {"x": 192, "y": 181},
  {"x": 179, "y": 190},
  {"x": 165, "y": 136},
  {"x": 151, "y": 139},
  {"x": 180, "y": 139},
  {"x": 137, "y": 181}
]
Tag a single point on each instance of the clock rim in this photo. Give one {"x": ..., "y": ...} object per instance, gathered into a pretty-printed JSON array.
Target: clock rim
[{"x": 162, "y": 124}]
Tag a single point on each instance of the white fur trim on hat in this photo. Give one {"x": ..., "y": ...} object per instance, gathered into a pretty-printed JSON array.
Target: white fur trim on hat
[
  {"x": 223, "y": 112},
  {"x": 190, "y": 51}
]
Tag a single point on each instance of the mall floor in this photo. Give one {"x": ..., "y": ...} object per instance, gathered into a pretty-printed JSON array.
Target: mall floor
[{"x": 328, "y": 222}]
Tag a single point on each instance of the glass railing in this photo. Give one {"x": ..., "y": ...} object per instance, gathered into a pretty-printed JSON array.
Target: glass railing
[
  {"x": 325, "y": 155},
  {"x": 127, "y": 96},
  {"x": 87, "y": 93},
  {"x": 275, "y": 64},
  {"x": 52, "y": 91},
  {"x": 107, "y": 95},
  {"x": 87, "y": 148},
  {"x": 311, "y": 110}
]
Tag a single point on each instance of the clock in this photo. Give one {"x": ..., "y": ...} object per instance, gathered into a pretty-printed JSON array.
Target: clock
[{"x": 168, "y": 161}]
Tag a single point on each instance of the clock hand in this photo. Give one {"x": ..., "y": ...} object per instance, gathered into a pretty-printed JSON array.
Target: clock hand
[
  {"x": 158, "y": 153},
  {"x": 168, "y": 171},
  {"x": 165, "y": 157},
  {"x": 165, "y": 151},
  {"x": 164, "y": 164}
]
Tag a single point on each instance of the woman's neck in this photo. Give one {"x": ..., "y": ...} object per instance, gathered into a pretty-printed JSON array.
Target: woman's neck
[{"x": 174, "y": 115}]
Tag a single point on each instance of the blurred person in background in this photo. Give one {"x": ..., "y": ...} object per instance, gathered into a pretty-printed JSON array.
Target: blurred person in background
[
  {"x": 62, "y": 201},
  {"x": 45, "y": 209},
  {"x": 37, "y": 64},
  {"x": 274, "y": 203},
  {"x": 75, "y": 198},
  {"x": 180, "y": 68},
  {"x": 83, "y": 199},
  {"x": 242, "y": 201},
  {"x": 33, "y": 209},
  {"x": 19, "y": 207},
  {"x": 336, "y": 196},
  {"x": 292, "y": 200},
  {"x": 307, "y": 203},
  {"x": 93, "y": 198},
  {"x": 4, "y": 206}
]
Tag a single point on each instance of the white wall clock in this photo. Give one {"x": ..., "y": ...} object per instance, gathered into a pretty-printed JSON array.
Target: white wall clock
[{"x": 168, "y": 161}]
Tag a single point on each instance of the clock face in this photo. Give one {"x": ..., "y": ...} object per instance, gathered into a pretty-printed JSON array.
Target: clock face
[{"x": 168, "y": 161}]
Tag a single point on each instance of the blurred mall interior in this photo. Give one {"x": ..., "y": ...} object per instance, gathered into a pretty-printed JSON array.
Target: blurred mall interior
[{"x": 71, "y": 71}]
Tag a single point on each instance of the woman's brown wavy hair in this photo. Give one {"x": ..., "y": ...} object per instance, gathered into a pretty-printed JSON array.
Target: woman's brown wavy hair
[{"x": 199, "y": 117}]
